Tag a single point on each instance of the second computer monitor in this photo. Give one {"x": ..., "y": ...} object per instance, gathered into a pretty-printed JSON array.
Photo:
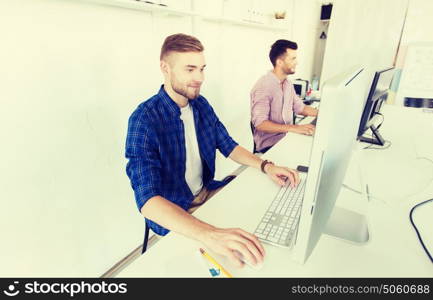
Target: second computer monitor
[{"x": 377, "y": 95}]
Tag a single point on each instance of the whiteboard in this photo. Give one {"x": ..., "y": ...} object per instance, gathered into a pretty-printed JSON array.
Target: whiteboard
[{"x": 416, "y": 79}]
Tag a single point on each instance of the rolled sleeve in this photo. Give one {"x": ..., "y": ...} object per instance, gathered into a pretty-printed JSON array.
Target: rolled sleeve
[
  {"x": 260, "y": 107},
  {"x": 225, "y": 144},
  {"x": 144, "y": 165}
]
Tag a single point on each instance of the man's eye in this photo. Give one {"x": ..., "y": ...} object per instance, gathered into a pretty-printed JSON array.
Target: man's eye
[{"x": 190, "y": 70}]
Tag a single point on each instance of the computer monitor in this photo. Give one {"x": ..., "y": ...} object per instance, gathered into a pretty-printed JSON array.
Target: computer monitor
[
  {"x": 377, "y": 95},
  {"x": 342, "y": 103},
  {"x": 298, "y": 89},
  {"x": 301, "y": 87}
]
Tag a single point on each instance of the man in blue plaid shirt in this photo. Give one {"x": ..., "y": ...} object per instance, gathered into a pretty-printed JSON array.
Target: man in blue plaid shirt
[{"x": 171, "y": 147}]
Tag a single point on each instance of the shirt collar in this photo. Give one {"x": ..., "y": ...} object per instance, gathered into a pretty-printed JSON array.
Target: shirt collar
[
  {"x": 171, "y": 105},
  {"x": 168, "y": 102},
  {"x": 271, "y": 74}
]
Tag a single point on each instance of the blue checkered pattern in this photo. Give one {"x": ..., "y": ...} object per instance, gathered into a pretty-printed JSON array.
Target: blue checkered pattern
[{"x": 155, "y": 148}]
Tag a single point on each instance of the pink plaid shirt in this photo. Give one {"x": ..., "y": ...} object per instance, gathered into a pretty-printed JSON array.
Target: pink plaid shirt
[{"x": 274, "y": 101}]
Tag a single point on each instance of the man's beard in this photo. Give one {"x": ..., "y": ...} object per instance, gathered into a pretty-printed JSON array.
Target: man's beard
[
  {"x": 288, "y": 71},
  {"x": 178, "y": 88}
]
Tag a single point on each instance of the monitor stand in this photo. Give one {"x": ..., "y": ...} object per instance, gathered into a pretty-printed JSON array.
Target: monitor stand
[
  {"x": 347, "y": 225},
  {"x": 377, "y": 139}
]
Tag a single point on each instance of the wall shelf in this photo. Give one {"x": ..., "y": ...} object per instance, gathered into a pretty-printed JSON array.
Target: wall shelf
[
  {"x": 164, "y": 10},
  {"x": 244, "y": 23},
  {"x": 143, "y": 6}
]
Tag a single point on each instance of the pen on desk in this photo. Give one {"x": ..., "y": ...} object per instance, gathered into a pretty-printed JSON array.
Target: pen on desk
[{"x": 213, "y": 261}]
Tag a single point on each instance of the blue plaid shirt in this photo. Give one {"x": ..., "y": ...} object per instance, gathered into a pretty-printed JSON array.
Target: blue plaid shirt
[{"x": 155, "y": 147}]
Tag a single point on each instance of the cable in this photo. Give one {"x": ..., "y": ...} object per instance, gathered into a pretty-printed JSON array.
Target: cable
[
  {"x": 351, "y": 189},
  {"x": 417, "y": 157},
  {"x": 385, "y": 146},
  {"x": 371, "y": 136},
  {"x": 377, "y": 128},
  {"x": 416, "y": 229}
]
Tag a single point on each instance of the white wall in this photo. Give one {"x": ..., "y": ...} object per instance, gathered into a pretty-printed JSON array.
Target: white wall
[
  {"x": 417, "y": 30},
  {"x": 362, "y": 32},
  {"x": 305, "y": 32},
  {"x": 418, "y": 25},
  {"x": 72, "y": 73}
]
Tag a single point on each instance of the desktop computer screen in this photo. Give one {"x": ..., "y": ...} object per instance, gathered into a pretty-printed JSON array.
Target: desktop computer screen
[
  {"x": 301, "y": 87},
  {"x": 336, "y": 132},
  {"x": 377, "y": 95}
]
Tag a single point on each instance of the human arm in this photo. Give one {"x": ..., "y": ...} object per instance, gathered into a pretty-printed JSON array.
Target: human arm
[
  {"x": 242, "y": 156},
  {"x": 272, "y": 127},
  {"x": 300, "y": 108},
  {"x": 223, "y": 241},
  {"x": 261, "y": 100},
  {"x": 309, "y": 111},
  {"x": 278, "y": 174},
  {"x": 172, "y": 217},
  {"x": 145, "y": 172}
]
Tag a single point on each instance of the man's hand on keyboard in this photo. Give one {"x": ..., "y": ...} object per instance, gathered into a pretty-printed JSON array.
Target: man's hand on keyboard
[
  {"x": 306, "y": 129},
  {"x": 282, "y": 175},
  {"x": 227, "y": 241}
]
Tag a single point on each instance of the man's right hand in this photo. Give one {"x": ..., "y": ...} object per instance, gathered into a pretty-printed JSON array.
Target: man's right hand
[
  {"x": 226, "y": 241},
  {"x": 307, "y": 129}
]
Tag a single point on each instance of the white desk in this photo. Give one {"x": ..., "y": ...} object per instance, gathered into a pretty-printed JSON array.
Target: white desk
[{"x": 392, "y": 251}]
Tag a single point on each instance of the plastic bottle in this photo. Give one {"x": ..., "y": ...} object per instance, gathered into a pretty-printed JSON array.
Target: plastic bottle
[{"x": 315, "y": 83}]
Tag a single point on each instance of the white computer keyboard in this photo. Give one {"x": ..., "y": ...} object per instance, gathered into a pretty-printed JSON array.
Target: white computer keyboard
[{"x": 280, "y": 222}]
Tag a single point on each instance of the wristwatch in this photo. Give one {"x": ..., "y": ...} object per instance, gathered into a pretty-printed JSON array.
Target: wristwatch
[{"x": 264, "y": 163}]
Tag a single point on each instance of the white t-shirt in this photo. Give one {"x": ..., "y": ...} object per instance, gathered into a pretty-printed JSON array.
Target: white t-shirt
[{"x": 194, "y": 167}]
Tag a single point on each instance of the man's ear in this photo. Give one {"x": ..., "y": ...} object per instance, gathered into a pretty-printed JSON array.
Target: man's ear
[
  {"x": 278, "y": 61},
  {"x": 164, "y": 66}
]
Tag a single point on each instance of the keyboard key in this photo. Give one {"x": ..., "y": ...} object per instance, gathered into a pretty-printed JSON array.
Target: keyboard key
[
  {"x": 260, "y": 235},
  {"x": 280, "y": 221},
  {"x": 273, "y": 239}
]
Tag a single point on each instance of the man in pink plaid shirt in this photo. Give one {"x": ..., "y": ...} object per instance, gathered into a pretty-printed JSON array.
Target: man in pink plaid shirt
[{"x": 273, "y": 100}]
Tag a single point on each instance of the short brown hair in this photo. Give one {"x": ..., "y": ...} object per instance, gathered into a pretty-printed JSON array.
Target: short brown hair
[
  {"x": 180, "y": 43},
  {"x": 279, "y": 48}
]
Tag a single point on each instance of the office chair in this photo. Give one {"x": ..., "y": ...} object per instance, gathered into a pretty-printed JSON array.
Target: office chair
[
  {"x": 252, "y": 132},
  {"x": 146, "y": 238}
]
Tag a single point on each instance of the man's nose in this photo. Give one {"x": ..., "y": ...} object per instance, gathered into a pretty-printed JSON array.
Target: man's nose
[
  {"x": 198, "y": 79},
  {"x": 198, "y": 75}
]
